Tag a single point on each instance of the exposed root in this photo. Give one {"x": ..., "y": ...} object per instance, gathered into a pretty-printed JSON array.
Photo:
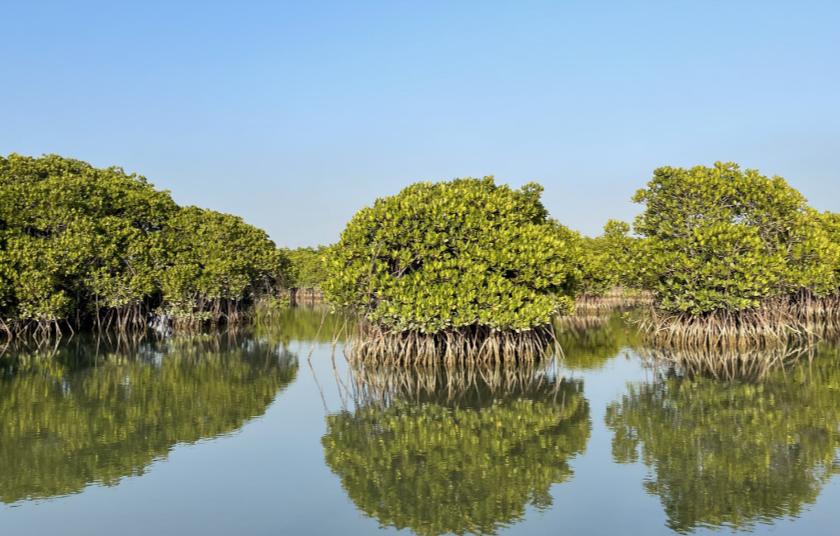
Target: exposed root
[
  {"x": 770, "y": 326},
  {"x": 474, "y": 344}
]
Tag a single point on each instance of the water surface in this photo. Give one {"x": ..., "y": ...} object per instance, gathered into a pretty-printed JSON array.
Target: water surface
[{"x": 269, "y": 431}]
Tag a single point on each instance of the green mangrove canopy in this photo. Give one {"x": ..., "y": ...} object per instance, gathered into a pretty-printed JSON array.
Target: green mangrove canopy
[
  {"x": 724, "y": 239},
  {"x": 78, "y": 242},
  {"x": 308, "y": 267},
  {"x": 608, "y": 260},
  {"x": 455, "y": 254}
]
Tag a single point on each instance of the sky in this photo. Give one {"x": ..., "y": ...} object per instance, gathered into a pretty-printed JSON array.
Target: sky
[{"x": 295, "y": 115}]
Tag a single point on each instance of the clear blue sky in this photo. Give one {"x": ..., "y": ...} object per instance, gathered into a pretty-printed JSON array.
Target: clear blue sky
[{"x": 295, "y": 115}]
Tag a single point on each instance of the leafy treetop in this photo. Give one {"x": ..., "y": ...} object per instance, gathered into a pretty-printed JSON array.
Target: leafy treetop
[
  {"x": 722, "y": 238},
  {"x": 449, "y": 255}
]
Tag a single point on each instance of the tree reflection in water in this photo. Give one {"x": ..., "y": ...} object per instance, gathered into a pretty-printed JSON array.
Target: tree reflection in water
[
  {"x": 456, "y": 450},
  {"x": 90, "y": 413},
  {"x": 733, "y": 453}
]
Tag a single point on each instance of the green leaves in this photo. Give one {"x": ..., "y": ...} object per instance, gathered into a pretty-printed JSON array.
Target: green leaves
[
  {"x": 308, "y": 267},
  {"x": 608, "y": 260},
  {"x": 214, "y": 257},
  {"x": 455, "y": 254},
  {"x": 75, "y": 240},
  {"x": 721, "y": 238}
]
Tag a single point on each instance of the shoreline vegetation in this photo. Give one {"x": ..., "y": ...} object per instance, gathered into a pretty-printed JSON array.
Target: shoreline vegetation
[{"x": 720, "y": 262}]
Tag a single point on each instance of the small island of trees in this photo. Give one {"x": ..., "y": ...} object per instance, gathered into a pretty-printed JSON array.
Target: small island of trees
[{"x": 455, "y": 270}]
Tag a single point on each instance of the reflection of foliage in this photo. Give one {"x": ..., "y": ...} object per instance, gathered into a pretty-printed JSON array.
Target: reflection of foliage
[
  {"x": 305, "y": 324},
  {"x": 733, "y": 453},
  {"x": 64, "y": 428},
  {"x": 437, "y": 469},
  {"x": 589, "y": 342}
]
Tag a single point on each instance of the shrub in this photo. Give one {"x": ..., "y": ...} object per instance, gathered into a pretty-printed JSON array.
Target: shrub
[
  {"x": 216, "y": 261},
  {"x": 79, "y": 242},
  {"x": 608, "y": 260},
  {"x": 74, "y": 237},
  {"x": 722, "y": 239},
  {"x": 458, "y": 254},
  {"x": 831, "y": 224},
  {"x": 307, "y": 267}
]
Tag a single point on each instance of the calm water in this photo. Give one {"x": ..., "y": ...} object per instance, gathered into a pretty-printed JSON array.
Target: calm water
[{"x": 266, "y": 433}]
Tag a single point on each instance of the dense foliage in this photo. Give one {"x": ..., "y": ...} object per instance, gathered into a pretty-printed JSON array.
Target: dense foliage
[
  {"x": 455, "y": 254},
  {"x": 831, "y": 225},
  {"x": 437, "y": 469},
  {"x": 79, "y": 242},
  {"x": 608, "y": 260},
  {"x": 216, "y": 259},
  {"x": 308, "y": 267},
  {"x": 733, "y": 454},
  {"x": 721, "y": 238},
  {"x": 65, "y": 427}
]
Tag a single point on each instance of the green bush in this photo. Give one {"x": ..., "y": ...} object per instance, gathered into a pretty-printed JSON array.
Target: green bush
[
  {"x": 831, "y": 225},
  {"x": 608, "y": 260},
  {"x": 722, "y": 239},
  {"x": 216, "y": 259},
  {"x": 308, "y": 268},
  {"x": 78, "y": 241},
  {"x": 72, "y": 236},
  {"x": 455, "y": 254}
]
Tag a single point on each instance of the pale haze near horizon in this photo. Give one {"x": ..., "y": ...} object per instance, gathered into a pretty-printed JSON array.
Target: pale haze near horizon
[{"x": 295, "y": 115}]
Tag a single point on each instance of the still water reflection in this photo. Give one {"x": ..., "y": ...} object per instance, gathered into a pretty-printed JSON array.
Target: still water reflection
[
  {"x": 269, "y": 431},
  {"x": 735, "y": 454},
  {"x": 459, "y": 453},
  {"x": 86, "y": 415}
]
